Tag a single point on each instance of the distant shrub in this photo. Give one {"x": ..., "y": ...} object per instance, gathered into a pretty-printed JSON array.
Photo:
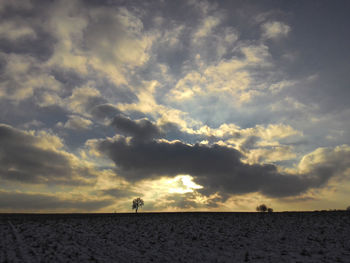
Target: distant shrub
[
  {"x": 264, "y": 208},
  {"x": 261, "y": 208},
  {"x": 348, "y": 208}
]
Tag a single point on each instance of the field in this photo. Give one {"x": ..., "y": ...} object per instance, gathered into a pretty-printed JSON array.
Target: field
[{"x": 176, "y": 237}]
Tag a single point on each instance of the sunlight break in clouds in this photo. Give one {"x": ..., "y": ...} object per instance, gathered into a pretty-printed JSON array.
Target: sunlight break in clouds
[
  {"x": 184, "y": 184},
  {"x": 193, "y": 105}
]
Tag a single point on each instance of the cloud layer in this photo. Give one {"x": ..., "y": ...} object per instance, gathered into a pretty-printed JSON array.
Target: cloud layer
[
  {"x": 218, "y": 168},
  {"x": 39, "y": 159},
  {"x": 109, "y": 101}
]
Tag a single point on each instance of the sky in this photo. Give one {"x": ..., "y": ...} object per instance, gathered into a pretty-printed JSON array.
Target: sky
[{"x": 191, "y": 105}]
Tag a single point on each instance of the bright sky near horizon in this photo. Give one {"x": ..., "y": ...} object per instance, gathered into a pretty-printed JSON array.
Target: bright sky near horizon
[{"x": 191, "y": 105}]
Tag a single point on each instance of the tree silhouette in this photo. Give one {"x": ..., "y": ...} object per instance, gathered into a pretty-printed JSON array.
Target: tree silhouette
[
  {"x": 264, "y": 208},
  {"x": 261, "y": 208},
  {"x": 136, "y": 203}
]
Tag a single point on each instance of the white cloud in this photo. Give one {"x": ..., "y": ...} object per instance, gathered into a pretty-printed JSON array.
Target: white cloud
[
  {"x": 275, "y": 29},
  {"x": 259, "y": 144},
  {"x": 82, "y": 98},
  {"x": 276, "y": 131},
  {"x": 48, "y": 141},
  {"x": 327, "y": 159},
  {"x": 23, "y": 75},
  {"x": 231, "y": 77},
  {"x": 13, "y": 31},
  {"x": 278, "y": 86},
  {"x": 76, "y": 122},
  {"x": 171, "y": 38},
  {"x": 162, "y": 113},
  {"x": 270, "y": 155},
  {"x": 267, "y": 133},
  {"x": 206, "y": 27},
  {"x": 66, "y": 50},
  {"x": 183, "y": 184},
  {"x": 109, "y": 41}
]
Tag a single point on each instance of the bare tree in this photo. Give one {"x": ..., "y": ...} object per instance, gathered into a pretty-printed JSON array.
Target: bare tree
[
  {"x": 261, "y": 208},
  {"x": 136, "y": 203}
]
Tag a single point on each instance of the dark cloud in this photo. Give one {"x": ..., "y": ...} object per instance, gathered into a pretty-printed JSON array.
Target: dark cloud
[
  {"x": 140, "y": 129},
  {"x": 217, "y": 168},
  {"x": 249, "y": 143},
  {"x": 39, "y": 43},
  {"x": 69, "y": 79},
  {"x": 141, "y": 159},
  {"x": 41, "y": 47},
  {"x": 144, "y": 129},
  {"x": 104, "y": 111},
  {"x": 27, "y": 111},
  {"x": 92, "y": 102},
  {"x": 22, "y": 159},
  {"x": 32, "y": 202},
  {"x": 171, "y": 131}
]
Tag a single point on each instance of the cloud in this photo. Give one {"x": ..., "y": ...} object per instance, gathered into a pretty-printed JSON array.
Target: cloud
[
  {"x": 104, "y": 111},
  {"x": 23, "y": 76},
  {"x": 163, "y": 155},
  {"x": 228, "y": 77},
  {"x": 270, "y": 154},
  {"x": 17, "y": 4},
  {"x": 204, "y": 7},
  {"x": 275, "y": 29},
  {"x": 33, "y": 123},
  {"x": 116, "y": 36},
  {"x": 77, "y": 123},
  {"x": 34, "y": 202},
  {"x": 141, "y": 129},
  {"x": 269, "y": 132},
  {"x": 183, "y": 184},
  {"x": 108, "y": 40},
  {"x": 39, "y": 159},
  {"x": 147, "y": 104},
  {"x": 84, "y": 99},
  {"x": 182, "y": 201},
  {"x": 185, "y": 201},
  {"x": 216, "y": 168},
  {"x": 325, "y": 160},
  {"x": 13, "y": 31},
  {"x": 208, "y": 24},
  {"x": 259, "y": 144},
  {"x": 183, "y": 73},
  {"x": 119, "y": 193}
]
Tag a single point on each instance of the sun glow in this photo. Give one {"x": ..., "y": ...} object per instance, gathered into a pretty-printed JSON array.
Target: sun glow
[{"x": 183, "y": 184}]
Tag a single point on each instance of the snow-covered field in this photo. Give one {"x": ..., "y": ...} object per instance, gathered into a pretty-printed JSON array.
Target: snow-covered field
[{"x": 176, "y": 237}]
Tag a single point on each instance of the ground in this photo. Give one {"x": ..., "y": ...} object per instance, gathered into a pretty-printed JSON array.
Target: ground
[{"x": 176, "y": 237}]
